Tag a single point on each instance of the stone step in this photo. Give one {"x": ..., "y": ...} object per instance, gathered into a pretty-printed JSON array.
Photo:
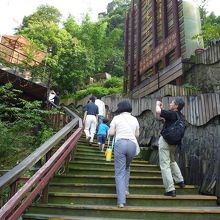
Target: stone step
[
  {"x": 91, "y": 155},
  {"x": 129, "y": 212},
  {"x": 93, "y": 149},
  {"x": 88, "y": 146},
  {"x": 132, "y": 199},
  {"x": 107, "y": 165},
  {"x": 110, "y": 188},
  {"x": 94, "y": 155},
  {"x": 30, "y": 216},
  {"x": 87, "y": 192},
  {"x": 104, "y": 179},
  {"x": 111, "y": 172},
  {"x": 100, "y": 159}
]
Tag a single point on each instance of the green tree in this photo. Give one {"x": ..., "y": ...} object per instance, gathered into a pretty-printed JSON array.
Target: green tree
[
  {"x": 73, "y": 66},
  {"x": 71, "y": 26},
  {"x": 44, "y": 14},
  {"x": 21, "y": 122},
  {"x": 210, "y": 23},
  {"x": 43, "y": 27},
  {"x": 210, "y": 29},
  {"x": 116, "y": 11},
  {"x": 115, "y": 18},
  {"x": 79, "y": 50}
]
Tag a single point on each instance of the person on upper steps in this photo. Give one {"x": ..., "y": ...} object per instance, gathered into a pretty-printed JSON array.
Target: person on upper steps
[
  {"x": 90, "y": 119},
  {"x": 125, "y": 127},
  {"x": 169, "y": 168}
]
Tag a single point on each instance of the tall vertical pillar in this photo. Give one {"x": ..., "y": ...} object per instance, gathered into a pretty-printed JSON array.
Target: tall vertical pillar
[
  {"x": 177, "y": 31},
  {"x": 164, "y": 28},
  {"x": 131, "y": 80},
  {"x": 176, "y": 28},
  {"x": 154, "y": 29},
  {"x": 126, "y": 69},
  {"x": 139, "y": 42}
]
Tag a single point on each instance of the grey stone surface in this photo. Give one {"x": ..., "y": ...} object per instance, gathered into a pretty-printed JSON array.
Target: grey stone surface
[{"x": 204, "y": 77}]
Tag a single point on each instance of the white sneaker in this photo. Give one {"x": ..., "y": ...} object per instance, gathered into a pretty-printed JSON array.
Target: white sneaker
[
  {"x": 127, "y": 193},
  {"x": 121, "y": 205}
]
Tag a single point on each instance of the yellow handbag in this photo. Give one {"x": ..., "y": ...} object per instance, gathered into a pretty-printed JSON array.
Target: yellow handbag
[{"x": 108, "y": 152}]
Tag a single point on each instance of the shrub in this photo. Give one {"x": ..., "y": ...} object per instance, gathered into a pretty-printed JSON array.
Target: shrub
[
  {"x": 114, "y": 82},
  {"x": 110, "y": 86}
]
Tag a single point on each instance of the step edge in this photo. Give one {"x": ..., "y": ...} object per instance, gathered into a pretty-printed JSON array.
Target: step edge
[
  {"x": 108, "y": 177},
  {"x": 198, "y": 210},
  {"x": 113, "y": 185},
  {"x": 135, "y": 196}
]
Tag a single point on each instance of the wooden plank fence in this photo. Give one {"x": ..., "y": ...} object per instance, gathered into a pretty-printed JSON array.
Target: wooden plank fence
[
  {"x": 198, "y": 109},
  {"x": 210, "y": 55},
  {"x": 158, "y": 80}
]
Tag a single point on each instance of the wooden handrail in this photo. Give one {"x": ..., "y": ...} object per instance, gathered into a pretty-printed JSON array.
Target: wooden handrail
[
  {"x": 39, "y": 180},
  {"x": 33, "y": 158},
  {"x": 49, "y": 168}
]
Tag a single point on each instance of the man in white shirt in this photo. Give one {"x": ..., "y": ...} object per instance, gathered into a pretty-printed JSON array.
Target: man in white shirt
[
  {"x": 52, "y": 96},
  {"x": 101, "y": 107}
]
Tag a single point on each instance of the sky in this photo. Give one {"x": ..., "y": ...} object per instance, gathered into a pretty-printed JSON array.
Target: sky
[{"x": 13, "y": 11}]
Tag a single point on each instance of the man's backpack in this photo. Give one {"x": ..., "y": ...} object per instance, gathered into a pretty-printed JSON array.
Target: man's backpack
[{"x": 175, "y": 132}]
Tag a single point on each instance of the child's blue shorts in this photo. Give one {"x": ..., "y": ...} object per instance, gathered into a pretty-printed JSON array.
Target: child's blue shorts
[{"x": 101, "y": 138}]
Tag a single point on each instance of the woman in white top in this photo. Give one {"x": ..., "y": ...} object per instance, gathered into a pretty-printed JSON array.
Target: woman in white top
[{"x": 125, "y": 127}]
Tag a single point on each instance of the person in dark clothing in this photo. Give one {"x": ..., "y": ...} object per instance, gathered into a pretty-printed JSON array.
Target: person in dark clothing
[
  {"x": 169, "y": 168},
  {"x": 57, "y": 99},
  {"x": 90, "y": 119}
]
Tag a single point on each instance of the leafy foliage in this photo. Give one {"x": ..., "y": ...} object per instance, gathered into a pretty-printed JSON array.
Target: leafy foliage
[
  {"x": 21, "y": 122},
  {"x": 110, "y": 86},
  {"x": 114, "y": 82},
  {"x": 210, "y": 24},
  {"x": 44, "y": 13},
  {"x": 79, "y": 51}
]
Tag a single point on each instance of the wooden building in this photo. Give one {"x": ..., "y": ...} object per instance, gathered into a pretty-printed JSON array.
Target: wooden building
[
  {"x": 158, "y": 38},
  {"x": 17, "y": 49},
  {"x": 31, "y": 90}
]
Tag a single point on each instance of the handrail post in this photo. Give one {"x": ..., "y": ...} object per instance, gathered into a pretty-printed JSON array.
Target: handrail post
[
  {"x": 13, "y": 189},
  {"x": 44, "y": 198},
  {"x": 69, "y": 157}
]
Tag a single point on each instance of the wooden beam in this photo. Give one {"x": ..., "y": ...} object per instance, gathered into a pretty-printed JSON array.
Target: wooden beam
[
  {"x": 139, "y": 42},
  {"x": 164, "y": 28},
  {"x": 154, "y": 29},
  {"x": 131, "y": 80},
  {"x": 126, "y": 36},
  {"x": 176, "y": 28}
]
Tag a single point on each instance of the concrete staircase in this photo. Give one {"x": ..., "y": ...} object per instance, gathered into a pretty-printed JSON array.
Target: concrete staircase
[{"x": 87, "y": 192}]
